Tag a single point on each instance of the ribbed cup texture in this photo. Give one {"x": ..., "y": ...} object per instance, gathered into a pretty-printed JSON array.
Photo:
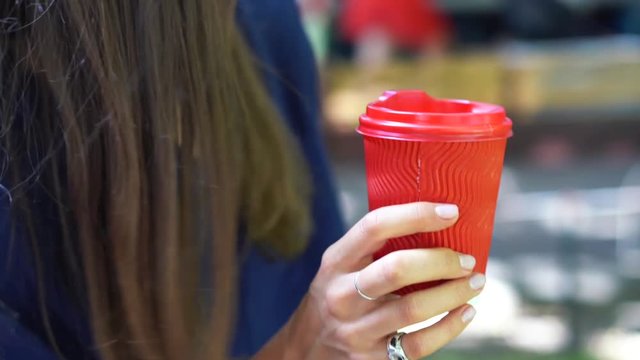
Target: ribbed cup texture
[{"x": 463, "y": 173}]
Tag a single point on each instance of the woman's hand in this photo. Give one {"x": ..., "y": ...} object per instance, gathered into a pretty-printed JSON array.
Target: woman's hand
[{"x": 335, "y": 322}]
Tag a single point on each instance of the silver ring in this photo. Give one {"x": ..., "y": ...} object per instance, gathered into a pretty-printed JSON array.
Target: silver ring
[
  {"x": 394, "y": 347},
  {"x": 362, "y": 295}
]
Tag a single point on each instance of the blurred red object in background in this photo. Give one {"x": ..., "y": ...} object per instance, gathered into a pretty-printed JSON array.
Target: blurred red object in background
[{"x": 410, "y": 24}]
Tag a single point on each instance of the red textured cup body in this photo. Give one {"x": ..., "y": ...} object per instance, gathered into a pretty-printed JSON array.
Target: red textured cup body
[{"x": 418, "y": 148}]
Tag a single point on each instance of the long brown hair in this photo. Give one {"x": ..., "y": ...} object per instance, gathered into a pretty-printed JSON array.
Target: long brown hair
[{"x": 157, "y": 142}]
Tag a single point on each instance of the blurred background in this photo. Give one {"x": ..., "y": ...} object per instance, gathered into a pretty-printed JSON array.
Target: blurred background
[{"x": 564, "y": 278}]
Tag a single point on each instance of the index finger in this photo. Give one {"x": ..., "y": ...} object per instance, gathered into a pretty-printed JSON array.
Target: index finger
[{"x": 389, "y": 222}]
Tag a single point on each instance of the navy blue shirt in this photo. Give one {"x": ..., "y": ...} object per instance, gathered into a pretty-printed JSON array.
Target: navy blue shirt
[{"x": 269, "y": 290}]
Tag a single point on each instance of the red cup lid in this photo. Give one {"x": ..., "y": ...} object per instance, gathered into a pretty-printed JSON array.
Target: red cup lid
[{"x": 415, "y": 116}]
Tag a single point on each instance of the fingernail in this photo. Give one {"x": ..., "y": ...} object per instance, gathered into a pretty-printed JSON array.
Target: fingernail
[
  {"x": 446, "y": 212},
  {"x": 477, "y": 281},
  {"x": 468, "y": 314},
  {"x": 467, "y": 262}
]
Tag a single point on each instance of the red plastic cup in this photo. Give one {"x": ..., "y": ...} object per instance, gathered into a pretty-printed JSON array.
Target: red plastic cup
[{"x": 418, "y": 148}]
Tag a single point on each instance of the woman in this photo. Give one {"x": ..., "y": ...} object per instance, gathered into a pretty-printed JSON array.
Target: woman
[{"x": 152, "y": 186}]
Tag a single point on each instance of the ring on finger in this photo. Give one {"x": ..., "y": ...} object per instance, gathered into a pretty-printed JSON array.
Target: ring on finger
[
  {"x": 394, "y": 347},
  {"x": 360, "y": 292}
]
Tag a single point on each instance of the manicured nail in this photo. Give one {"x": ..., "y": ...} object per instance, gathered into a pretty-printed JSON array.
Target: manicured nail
[
  {"x": 467, "y": 262},
  {"x": 468, "y": 314},
  {"x": 477, "y": 281},
  {"x": 447, "y": 212}
]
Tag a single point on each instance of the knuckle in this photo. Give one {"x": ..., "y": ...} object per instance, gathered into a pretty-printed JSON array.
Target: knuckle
[
  {"x": 409, "y": 310},
  {"x": 349, "y": 339},
  {"x": 420, "y": 214},
  {"x": 392, "y": 268},
  {"x": 335, "y": 300},
  {"x": 414, "y": 347},
  {"x": 441, "y": 262},
  {"x": 449, "y": 260},
  {"x": 462, "y": 292},
  {"x": 450, "y": 329},
  {"x": 328, "y": 262},
  {"x": 370, "y": 224}
]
